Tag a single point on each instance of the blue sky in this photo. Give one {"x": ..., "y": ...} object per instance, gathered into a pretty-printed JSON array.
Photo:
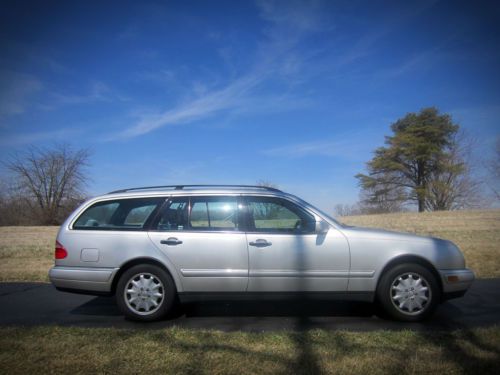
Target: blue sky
[{"x": 292, "y": 92}]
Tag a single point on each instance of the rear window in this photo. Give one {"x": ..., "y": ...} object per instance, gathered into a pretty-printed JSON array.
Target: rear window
[{"x": 122, "y": 214}]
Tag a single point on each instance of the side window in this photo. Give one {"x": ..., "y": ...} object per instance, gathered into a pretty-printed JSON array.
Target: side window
[
  {"x": 139, "y": 215},
  {"x": 277, "y": 215},
  {"x": 174, "y": 215},
  {"x": 214, "y": 213},
  {"x": 122, "y": 214}
]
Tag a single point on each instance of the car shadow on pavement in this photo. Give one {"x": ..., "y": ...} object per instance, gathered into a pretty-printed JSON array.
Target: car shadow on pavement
[
  {"x": 293, "y": 315},
  {"x": 105, "y": 306},
  {"x": 101, "y": 306},
  {"x": 279, "y": 308}
]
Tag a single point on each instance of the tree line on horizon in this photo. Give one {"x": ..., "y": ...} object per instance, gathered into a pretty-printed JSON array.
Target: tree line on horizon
[
  {"x": 425, "y": 164},
  {"x": 45, "y": 185}
]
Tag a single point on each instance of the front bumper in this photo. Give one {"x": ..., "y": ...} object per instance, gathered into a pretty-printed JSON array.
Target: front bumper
[
  {"x": 82, "y": 279},
  {"x": 456, "y": 281}
]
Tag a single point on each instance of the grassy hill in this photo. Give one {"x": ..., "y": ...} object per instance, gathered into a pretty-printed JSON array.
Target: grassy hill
[{"x": 26, "y": 253}]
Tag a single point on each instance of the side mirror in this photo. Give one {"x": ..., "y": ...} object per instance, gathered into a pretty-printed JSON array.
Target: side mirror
[{"x": 322, "y": 227}]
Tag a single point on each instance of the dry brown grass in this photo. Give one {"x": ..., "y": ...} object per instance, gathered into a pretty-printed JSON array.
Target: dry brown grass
[
  {"x": 26, "y": 253},
  {"x": 182, "y": 351},
  {"x": 477, "y": 233}
]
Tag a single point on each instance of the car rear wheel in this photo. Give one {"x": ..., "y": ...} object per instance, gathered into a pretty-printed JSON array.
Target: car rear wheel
[
  {"x": 145, "y": 293},
  {"x": 408, "y": 292}
]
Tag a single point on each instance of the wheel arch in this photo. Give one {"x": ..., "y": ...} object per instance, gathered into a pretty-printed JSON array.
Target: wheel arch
[
  {"x": 142, "y": 260},
  {"x": 410, "y": 258}
]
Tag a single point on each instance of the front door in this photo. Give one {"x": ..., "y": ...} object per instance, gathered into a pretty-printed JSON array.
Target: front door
[
  {"x": 201, "y": 236},
  {"x": 287, "y": 255}
]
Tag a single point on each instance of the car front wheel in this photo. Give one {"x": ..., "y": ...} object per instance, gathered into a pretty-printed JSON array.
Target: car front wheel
[
  {"x": 145, "y": 293},
  {"x": 408, "y": 292}
]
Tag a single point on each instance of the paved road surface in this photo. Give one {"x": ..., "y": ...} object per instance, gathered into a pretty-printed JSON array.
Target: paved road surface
[{"x": 33, "y": 304}]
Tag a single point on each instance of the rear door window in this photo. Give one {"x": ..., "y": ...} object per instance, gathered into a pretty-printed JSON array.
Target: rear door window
[
  {"x": 214, "y": 213},
  {"x": 121, "y": 214},
  {"x": 199, "y": 214},
  {"x": 174, "y": 215}
]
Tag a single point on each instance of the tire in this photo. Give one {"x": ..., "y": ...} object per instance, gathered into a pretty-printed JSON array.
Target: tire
[
  {"x": 145, "y": 293},
  {"x": 408, "y": 292}
]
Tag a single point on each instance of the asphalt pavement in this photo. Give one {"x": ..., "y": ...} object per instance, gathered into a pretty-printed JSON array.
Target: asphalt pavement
[{"x": 36, "y": 304}]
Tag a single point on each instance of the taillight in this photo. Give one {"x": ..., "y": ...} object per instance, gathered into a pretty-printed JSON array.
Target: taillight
[{"x": 60, "y": 252}]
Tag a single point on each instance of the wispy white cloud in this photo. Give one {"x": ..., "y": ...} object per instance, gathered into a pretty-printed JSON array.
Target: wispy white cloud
[
  {"x": 231, "y": 96},
  {"x": 131, "y": 32},
  {"x": 276, "y": 57},
  {"x": 98, "y": 92},
  {"x": 415, "y": 62},
  {"x": 54, "y": 65},
  {"x": 293, "y": 16},
  {"x": 362, "y": 47},
  {"x": 283, "y": 61},
  {"x": 20, "y": 51},
  {"x": 16, "y": 89},
  {"x": 298, "y": 150},
  {"x": 349, "y": 146},
  {"x": 479, "y": 120},
  {"x": 36, "y": 137},
  {"x": 418, "y": 62}
]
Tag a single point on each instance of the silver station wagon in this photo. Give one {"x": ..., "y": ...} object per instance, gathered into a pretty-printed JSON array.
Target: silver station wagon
[{"x": 154, "y": 246}]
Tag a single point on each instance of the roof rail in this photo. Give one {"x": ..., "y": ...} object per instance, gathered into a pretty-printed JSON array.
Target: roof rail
[{"x": 181, "y": 187}]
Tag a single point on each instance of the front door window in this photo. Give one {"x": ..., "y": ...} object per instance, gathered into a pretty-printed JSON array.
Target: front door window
[{"x": 275, "y": 215}]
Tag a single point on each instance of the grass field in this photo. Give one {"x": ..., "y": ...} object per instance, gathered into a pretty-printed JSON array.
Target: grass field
[
  {"x": 26, "y": 253},
  {"x": 181, "y": 351}
]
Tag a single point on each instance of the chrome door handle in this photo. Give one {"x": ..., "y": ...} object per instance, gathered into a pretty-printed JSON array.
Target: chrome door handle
[
  {"x": 260, "y": 243},
  {"x": 172, "y": 241}
]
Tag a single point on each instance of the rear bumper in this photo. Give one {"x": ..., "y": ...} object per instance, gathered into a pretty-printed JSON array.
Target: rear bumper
[
  {"x": 82, "y": 279},
  {"x": 456, "y": 282}
]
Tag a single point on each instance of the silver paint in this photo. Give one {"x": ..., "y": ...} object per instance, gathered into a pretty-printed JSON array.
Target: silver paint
[{"x": 337, "y": 259}]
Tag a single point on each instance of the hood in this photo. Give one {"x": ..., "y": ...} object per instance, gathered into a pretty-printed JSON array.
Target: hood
[{"x": 382, "y": 234}]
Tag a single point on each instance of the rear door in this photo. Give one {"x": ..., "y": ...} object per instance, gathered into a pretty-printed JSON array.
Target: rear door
[
  {"x": 287, "y": 255},
  {"x": 202, "y": 237}
]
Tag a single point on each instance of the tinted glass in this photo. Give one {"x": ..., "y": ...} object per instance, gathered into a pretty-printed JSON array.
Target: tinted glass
[
  {"x": 199, "y": 213},
  {"x": 214, "y": 213},
  {"x": 123, "y": 214},
  {"x": 278, "y": 215},
  {"x": 138, "y": 215},
  {"x": 174, "y": 216}
]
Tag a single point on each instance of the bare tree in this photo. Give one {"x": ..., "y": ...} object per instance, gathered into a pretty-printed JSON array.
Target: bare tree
[
  {"x": 266, "y": 183},
  {"x": 13, "y": 208},
  {"x": 341, "y": 209},
  {"x": 49, "y": 180},
  {"x": 383, "y": 196},
  {"x": 267, "y": 209},
  {"x": 453, "y": 186},
  {"x": 494, "y": 171}
]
